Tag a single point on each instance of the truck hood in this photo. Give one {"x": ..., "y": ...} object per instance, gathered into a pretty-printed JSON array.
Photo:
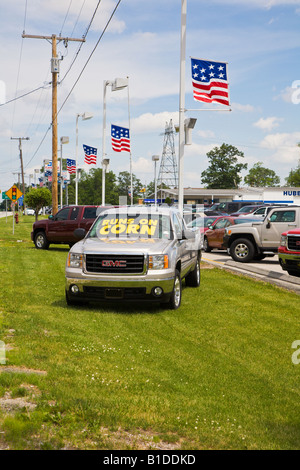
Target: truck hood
[
  {"x": 246, "y": 224},
  {"x": 295, "y": 231},
  {"x": 121, "y": 245}
]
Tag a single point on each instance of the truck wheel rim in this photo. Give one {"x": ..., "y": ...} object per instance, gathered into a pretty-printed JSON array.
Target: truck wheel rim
[
  {"x": 177, "y": 293},
  {"x": 198, "y": 272},
  {"x": 241, "y": 250},
  {"x": 40, "y": 241}
]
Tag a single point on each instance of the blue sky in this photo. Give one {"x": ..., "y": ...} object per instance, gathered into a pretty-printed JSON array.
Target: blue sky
[{"x": 259, "y": 39}]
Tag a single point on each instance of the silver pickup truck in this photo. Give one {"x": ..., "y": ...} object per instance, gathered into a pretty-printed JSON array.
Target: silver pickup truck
[{"x": 133, "y": 253}]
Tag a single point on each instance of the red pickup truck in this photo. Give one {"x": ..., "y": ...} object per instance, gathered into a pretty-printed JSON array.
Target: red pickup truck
[
  {"x": 289, "y": 252},
  {"x": 60, "y": 227}
]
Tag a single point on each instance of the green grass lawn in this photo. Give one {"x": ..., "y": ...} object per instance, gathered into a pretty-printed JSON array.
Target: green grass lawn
[{"x": 215, "y": 374}]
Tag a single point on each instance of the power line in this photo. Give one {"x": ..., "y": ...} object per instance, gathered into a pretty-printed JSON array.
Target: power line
[
  {"x": 81, "y": 44},
  {"x": 65, "y": 17},
  {"x": 90, "y": 56},
  {"x": 22, "y": 96}
]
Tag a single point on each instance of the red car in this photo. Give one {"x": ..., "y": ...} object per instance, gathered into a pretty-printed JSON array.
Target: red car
[
  {"x": 245, "y": 210},
  {"x": 213, "y": 237},
  {"x": 289, "y": 252}
]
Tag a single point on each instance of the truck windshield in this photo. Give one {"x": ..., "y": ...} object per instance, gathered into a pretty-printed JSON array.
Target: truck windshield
[{"x": 127, "y": 225}]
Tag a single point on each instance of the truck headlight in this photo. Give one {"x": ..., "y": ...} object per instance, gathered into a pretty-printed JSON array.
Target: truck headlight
[
  {"x": 74, "y": 260},
  {"x": 283, "y": 240},
  {"x": 158, "y": 262}
]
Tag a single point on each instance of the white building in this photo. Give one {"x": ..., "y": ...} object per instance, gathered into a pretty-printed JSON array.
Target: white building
[{"x": 280, "y": 195}]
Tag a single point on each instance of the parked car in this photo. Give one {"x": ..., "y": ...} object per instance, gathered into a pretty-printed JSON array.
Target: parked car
[
  {"x": 289, "y": 252},
  {"x": 213, "y": 237},
  {"x": 230, "y": 207},
  {"x": 28, "y": 211},
  {"x": 263, "y": 211},
  {"x": 260, "y": 238},
  {"x": 246, "y": 210},
  {"x": 202, "y": 224}
]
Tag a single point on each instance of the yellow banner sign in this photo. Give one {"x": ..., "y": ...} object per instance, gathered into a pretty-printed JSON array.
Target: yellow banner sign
[{"x": 128, "y": 226}]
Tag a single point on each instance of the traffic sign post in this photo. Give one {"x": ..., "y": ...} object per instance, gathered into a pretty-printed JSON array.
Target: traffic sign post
[{"x": 14, "y": 194}]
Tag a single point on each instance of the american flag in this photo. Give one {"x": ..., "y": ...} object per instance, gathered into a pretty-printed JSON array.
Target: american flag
[
  {"x": 120, "y": 139},
  {"x": 210, "y": 83},
  {"x": 71, "y": 166},
  {"x": 90, "y": 154}
]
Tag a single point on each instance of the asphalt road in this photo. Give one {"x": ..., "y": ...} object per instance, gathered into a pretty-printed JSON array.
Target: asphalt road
[
  {"x": 267, "y": 270},
  {"x": 3, "y": 214}
]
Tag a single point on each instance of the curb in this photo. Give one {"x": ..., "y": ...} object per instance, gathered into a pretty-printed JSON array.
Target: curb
[
  {"x": 291, "y": 283},
  {"x": 273, "y": 274}
]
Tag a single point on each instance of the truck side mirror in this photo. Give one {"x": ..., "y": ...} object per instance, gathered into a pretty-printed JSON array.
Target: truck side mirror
[
  {"x": 268, "y": 222},
  {"x": 79, "y": 233},
  {"x": 188, "y": 234}
]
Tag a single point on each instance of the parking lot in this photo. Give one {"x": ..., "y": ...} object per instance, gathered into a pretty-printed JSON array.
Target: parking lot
[{"x": 267, "y": 270}]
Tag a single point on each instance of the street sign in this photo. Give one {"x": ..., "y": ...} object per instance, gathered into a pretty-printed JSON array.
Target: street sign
[
  {"x": 14, "y": 193},
  {"x": 4, "y": 196}
]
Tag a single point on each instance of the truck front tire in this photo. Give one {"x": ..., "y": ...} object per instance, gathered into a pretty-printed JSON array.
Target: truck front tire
[
  {"x": 242, "y": 250},
  {"x": 175, "y": 300},
  {"x": 40, "y": 241}
]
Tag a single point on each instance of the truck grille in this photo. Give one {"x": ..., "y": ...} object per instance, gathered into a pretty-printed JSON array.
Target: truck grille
[
  {"x": 294, "y": 242},
  {"x": 115, "y": 264}
]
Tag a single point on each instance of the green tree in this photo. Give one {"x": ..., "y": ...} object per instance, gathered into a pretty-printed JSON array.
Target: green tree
[
  {"x": 124, "y": 185},
  {"x": 261, "y": 177},
  {"x": 223, "y": 171},
  {"x": 294, "y": 177},
  {"x": 38, "y": 198},
  {"x": 90, "y": 188}
]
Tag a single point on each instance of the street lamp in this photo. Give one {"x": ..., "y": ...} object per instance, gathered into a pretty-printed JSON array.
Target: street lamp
[
  {"x": 155, "y": 158},
  {"x": 63, "y": 140},
  {"x": 117, "y": 84},
  {"x": 84, "y": 117}
]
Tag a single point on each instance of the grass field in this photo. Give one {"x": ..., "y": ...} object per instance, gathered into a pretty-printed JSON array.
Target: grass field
[{"x": 215, "y": 374}]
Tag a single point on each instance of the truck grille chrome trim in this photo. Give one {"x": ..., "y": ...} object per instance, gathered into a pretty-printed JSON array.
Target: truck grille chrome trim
[{"x": 115, "y": 264}]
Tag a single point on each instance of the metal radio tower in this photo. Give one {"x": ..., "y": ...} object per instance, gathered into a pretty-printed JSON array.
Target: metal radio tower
[{"x": 168, "y": 173}]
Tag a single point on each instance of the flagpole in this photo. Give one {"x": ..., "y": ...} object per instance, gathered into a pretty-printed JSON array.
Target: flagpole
[
  {"x": 105, "y": 83},
  {"x": 131, "y": 184},
  {"x": 182, "y": 103},
  {"x": 76, "y": 163}
]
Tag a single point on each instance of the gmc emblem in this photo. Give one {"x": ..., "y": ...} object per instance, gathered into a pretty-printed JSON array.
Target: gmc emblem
[{"x": 106, "y": 263}]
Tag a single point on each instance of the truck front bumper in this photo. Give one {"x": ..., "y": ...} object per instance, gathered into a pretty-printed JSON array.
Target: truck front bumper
[
  {"x": 89, "y": 288},
  {"x": 289, "y": 261}
]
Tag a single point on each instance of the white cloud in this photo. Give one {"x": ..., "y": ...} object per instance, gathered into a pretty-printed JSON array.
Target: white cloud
[
  {"x": 284, "y": 145},
  {"x": 206, "y": 134},
  {"x": 258, "y": 3},
  {"x": 149, "y": 122},
  {"x": 268, "y": 124},
  {"x": 245, "y": 108}
]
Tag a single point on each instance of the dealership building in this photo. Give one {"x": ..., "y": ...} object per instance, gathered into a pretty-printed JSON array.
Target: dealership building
[{"x": 278, "y": 195}]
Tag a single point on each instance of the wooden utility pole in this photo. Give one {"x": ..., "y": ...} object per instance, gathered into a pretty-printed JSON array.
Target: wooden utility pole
[
  {"x": 21, "y": 159},
  {"x": 54, "y": 70}
]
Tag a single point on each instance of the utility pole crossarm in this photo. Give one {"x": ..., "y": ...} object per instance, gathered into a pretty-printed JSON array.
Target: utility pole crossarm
[{"x": 49, "y": 38}]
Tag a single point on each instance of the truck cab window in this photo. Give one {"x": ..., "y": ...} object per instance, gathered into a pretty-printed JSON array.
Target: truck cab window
[
  {"x": 62, "y": 215},
  {"x": 74, "y": 213}
]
